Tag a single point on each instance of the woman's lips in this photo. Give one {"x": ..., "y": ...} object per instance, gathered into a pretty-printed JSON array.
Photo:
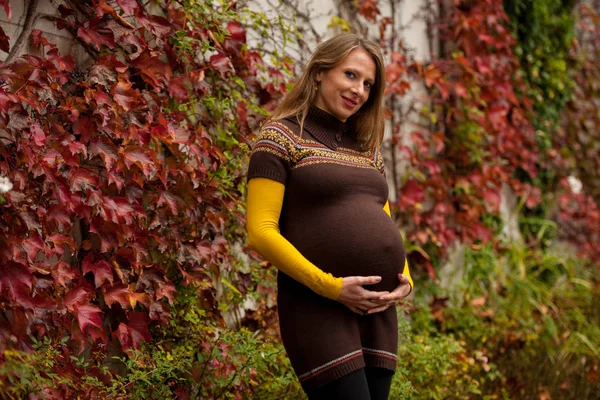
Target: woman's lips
[{"x": 349, "y": 103}]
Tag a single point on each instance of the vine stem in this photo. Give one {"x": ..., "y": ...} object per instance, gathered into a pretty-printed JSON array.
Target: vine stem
[
  {"x": 131, "y": 382},
  {"x": 208, "y": 359},
  {"x": 27, "y": 27},
  {"x": 393, "y": 103},
  {"x": 232, "y": 379}
]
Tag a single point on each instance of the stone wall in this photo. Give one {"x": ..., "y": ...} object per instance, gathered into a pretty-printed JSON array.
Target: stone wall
[{"x": 40, "y": 13}]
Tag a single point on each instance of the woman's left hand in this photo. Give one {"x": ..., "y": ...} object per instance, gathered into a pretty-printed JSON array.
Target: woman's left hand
[{"x": 402, "y": 290}]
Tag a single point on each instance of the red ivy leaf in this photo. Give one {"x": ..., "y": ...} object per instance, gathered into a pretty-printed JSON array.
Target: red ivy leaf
[
  {"x": 37, "y": 303},
  {"x": 50, "y": 393},
  {"x": 101, "y": 270},
  {"x": 33, "y": 244},
  {"x": 102, "y": 8},
  {"x": 98, "y": 334},
  {"x": 236, "y": 31},
  {"x": 13, "y": 277},
  {"x": 65, "y": 11},
  {"x": 118, "y": 295},
  {"x": 102, "y": 75},
  {"x": 124, "y": 95},
  {"x": 393, "y": 72},
  {"x": 138, "y": 324},
  {"x": 63, "y": 274},
  {"x": 135, "y": 332},
  {"x": 85, "y": 127},
  {"x": 176, "y": 17},
  {"x": 39, "y": 39},
  {"x": 534, "y": 198},
  {"x": 60, "y": 241},
  {"x": 126, "y": 297},
  {"x": 120, "y": 210},
  {"x": 116, "y": 179},
  {"x": 438, "y": 141},
  {"x": 39, "y": 137},
  {"x": 106, "y": 149},
  {"x": 461, "y": 90},
  {"x": 177, "y": 89},
  {"x": 75, "y": 147},
  {"x": 153, "y": 71},
  {"x": 76, "y": 296},
  {"x": 96, "y": 35},
  {"x": 112, "y": 61},
  {"x": 222, "y": 64},
  {"x": 479, "y": 232},
  {"x": 242, "y": 111},
  {"x": 411, "y": 194},
  {"x": 236, "y": 39},
  {"x": 167, "y": 291},
  {"x": 122, "y": 334},
  {"x": 4, "y": 41},
  {"x": 368, "y": 8},
  {"x": 6, "y": 100},
  {"x": 159, "y": 312},
  {"x": 432, "y": 75},
  {"x": 153, "y": 280},
  {"x": 430, "y": 270},
  {"x": 492, "y": 199},
  {"x": 160, "y": 26},
  {"x": 128, "y": 6},
  {"x": 66, "y": 63},
  {"x": 433, "y": 167},
  {"x": 81, "y": 179},
  {"x": 420, "y": 143},
  {"x": 134, "y": 155},
  {"x": 170, "y": 199},
  {"x": 88, "y": 315}
]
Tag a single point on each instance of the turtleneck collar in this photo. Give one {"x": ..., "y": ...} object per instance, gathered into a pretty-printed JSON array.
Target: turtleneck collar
[{"x": 326, "y": 128}]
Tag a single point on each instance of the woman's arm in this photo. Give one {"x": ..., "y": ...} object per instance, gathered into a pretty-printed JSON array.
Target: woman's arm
[
  {"x": 406, "y": 271},
  {"x": 265, "y": 199}
]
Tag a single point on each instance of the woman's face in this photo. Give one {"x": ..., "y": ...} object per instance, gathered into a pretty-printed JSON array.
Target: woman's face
[{"x": 346, "y": 87}]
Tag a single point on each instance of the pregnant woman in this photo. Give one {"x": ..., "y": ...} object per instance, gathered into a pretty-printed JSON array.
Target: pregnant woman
[{"x": 318, "y": 210}]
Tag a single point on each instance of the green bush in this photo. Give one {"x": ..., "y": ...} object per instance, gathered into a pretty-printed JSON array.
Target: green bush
[{"x": 522, "y": 324}]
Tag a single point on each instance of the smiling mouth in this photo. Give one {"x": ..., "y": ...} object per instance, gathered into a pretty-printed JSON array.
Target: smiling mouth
[{"x": 349, "y": 103}]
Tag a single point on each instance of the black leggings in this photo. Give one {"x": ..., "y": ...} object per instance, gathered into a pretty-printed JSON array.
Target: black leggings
[{"x": 364, "y": 384}]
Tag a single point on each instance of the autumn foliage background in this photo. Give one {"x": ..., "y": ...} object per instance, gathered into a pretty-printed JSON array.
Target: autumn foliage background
[{"x": 123, "y": 272}]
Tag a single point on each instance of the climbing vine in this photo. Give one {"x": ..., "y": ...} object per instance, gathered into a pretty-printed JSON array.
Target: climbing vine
[{"x": 127, "y": 179}]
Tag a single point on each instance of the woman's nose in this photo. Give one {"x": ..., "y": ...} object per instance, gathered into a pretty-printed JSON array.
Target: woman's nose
[{"x": 358, "y": 89}]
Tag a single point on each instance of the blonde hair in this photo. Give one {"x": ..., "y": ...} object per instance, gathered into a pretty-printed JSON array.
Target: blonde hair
[{"x": 368, "y": 120}]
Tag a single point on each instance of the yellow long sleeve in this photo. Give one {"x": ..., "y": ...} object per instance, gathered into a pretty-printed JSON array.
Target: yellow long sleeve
[
  {"x": 264, "y": 202},
  {"x": 406, "y": 271}
]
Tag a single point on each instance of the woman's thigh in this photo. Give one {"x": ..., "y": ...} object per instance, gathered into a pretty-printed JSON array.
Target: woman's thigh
[
  {"x": 363, "y": 384},
  {"x": 380, "y": 382},
  {"x": 352, "y": 386}
]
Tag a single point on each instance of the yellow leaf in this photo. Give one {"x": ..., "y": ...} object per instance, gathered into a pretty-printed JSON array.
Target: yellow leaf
[{"x": 230, "y": 286}]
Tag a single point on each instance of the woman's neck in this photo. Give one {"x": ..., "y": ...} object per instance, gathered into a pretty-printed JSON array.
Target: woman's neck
[{"x": 322, "y": 109}]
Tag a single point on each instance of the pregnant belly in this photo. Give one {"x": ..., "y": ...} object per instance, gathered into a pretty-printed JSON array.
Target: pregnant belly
[{"x": 365, "y": 244}]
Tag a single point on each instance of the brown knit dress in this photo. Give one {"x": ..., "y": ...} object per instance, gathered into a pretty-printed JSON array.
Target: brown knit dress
[{"x": 333, "y": 214}]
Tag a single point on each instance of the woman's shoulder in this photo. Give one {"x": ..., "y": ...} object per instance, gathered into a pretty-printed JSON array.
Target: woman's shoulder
[{"x": 287, "y": 126}]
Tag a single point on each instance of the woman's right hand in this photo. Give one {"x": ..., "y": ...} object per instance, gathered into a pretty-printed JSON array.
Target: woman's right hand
[{"x": 356, "y": 297}]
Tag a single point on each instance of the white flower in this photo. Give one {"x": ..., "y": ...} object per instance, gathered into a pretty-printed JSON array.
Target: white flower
[
  {"x": 575, "y": 184},
  {"x": 5, "y": 184}
]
